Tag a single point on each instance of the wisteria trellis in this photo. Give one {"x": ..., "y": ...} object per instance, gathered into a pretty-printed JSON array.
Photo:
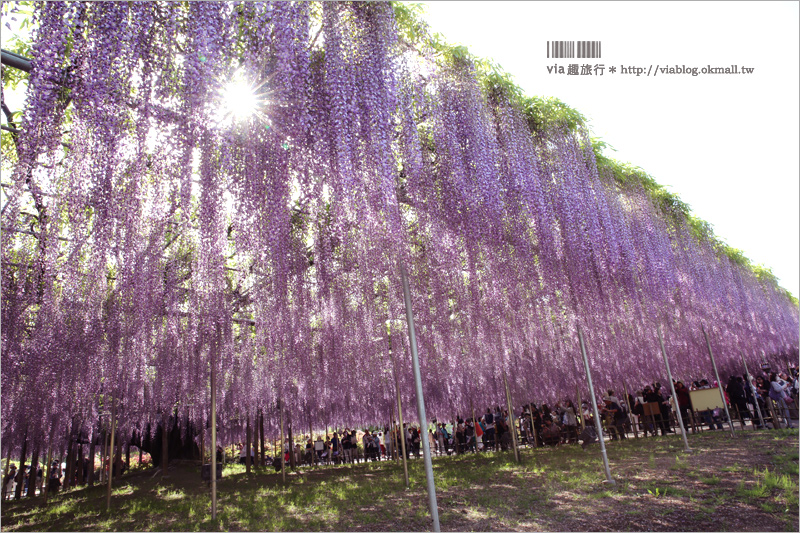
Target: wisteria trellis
[{"x": 165, "y": 234}]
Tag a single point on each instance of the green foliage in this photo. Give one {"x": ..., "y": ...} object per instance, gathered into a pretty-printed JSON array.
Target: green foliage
[{"x": 409, "y": 21}]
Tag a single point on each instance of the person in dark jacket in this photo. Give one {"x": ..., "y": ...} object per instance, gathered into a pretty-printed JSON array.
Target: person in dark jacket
[{"x": 684, "y": 402}]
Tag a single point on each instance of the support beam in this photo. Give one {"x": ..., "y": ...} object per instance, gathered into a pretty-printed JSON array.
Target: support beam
[
  {"x": 674, "y": 395},
  {"x": 719, "y": 383},
  {"x": 597, "y": 424},
  {"x": 420, "y": 400}
]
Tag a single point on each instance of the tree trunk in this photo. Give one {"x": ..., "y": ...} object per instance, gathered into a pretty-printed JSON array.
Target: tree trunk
[
  {"x": 46, "y": 473},
  {"x": 69, "y": 475},
  {"x": 164, "y": 445},
  {"x": 127, "y": 455},
  {"x": 32, "y": 475},
  {"x": 20, "y": 472},
  {"x": 291, "y": 445}
]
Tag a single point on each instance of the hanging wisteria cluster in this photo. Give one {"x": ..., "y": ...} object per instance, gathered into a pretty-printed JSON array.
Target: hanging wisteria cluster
[{"x": 152, "y": 233}]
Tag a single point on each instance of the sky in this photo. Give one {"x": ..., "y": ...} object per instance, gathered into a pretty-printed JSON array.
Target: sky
[{"x": 727, "y": 144}]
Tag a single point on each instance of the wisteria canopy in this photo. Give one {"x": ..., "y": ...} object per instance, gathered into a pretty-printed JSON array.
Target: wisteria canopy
[{"x": 150, "y": 232}]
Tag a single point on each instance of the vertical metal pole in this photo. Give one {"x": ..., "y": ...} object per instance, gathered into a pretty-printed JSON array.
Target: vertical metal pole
[
  {"x": 755, "y": 392},
  {"x": 420, "y": 401},
  {"x": 719, "y": 383},
  {"x": 511, "y": 418},
  {"x": 674, "y": 395},
  {"x": 598, "y": 426},
  {"x": 214, "y": 436},
  {"x": 102, "y": 457},
  {"x": 111, "y": 451},
  {"x": 283, "y": 454},
  {"x": 401, "y": 434},
  {"x": 248, "y": 443}
]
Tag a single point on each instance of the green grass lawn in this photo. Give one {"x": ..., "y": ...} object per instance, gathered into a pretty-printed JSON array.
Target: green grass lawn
[{"x": 749, "y": 483}]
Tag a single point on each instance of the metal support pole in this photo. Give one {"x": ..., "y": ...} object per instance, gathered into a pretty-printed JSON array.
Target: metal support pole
[
  {"x": 719, "y": 383},
  {"x": 283, "y": 454},
  {"x": 598, "y": 426},
  {"x": 674, "y": 395},
  {"x": 755, "y": 392},
  {"x": 401, "y": 432},
  {"x": 111, "y": 451},
  {"x": 511, "y": 418},
  {"x": 420, "y": 401},
  {"x": 213, "y": 440}
]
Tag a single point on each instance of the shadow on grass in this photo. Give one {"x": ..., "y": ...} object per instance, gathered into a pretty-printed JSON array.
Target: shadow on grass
[{"x": 735, "y": 484}]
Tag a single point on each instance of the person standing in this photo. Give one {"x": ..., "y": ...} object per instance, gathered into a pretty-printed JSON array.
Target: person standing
[
  {"x": 488, "y": 435},
  {"x": 778, "y": 394}
]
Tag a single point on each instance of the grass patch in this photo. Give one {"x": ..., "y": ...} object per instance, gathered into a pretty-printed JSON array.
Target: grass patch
[{"x": 551, "y": 489}]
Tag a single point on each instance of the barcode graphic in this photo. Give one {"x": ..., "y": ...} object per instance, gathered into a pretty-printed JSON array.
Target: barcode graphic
[{"x": 560, "y": 49}]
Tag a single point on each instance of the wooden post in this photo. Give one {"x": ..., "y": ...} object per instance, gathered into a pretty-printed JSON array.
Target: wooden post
[
  {"x": 511, "y": 419},
  {"x": 111, "y": 451},
  {"x": 776, "y": 422},
  {"x": 739, "y": 416}
]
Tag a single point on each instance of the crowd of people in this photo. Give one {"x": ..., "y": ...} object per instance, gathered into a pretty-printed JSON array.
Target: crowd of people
[{"x": 648, "y": 410}]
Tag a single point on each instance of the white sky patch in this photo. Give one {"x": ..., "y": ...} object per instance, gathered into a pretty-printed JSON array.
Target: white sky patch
[{"x": 726, "y": 144}]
